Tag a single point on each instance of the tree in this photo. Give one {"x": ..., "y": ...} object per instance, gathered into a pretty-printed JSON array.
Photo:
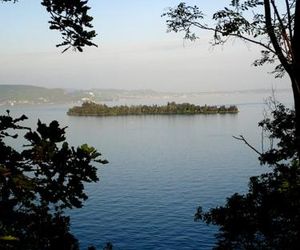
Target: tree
[
  {"x": 71, "y": 19},
  {"x": 270, "y": 24},
  {"x": 268, "y": 216},
  {"x": 39, "y": 183}
]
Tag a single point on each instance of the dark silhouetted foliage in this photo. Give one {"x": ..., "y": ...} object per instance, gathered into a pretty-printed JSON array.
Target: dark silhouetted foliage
[
  {"x": 71, "y": 19},
  {"x": 273, "y": 26},
  {"x": 39, "y": 183},
  {"x": 246, "y": 20},
  {"x": 268, "y": 216}
]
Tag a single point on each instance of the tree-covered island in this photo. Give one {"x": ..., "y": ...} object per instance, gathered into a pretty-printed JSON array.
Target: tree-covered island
[{"x": 172, "y": 108}]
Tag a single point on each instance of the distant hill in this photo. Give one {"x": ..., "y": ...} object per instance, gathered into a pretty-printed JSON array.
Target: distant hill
[
  {"x": 22, "y": 94},
  {"x": 28, "y": 94}
]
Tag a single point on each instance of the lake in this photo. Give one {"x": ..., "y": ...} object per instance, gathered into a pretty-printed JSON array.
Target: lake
[{"x": 161, "y": 168}]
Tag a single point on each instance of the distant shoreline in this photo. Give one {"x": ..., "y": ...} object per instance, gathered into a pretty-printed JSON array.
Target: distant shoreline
[{"x": 16, "y": 95}]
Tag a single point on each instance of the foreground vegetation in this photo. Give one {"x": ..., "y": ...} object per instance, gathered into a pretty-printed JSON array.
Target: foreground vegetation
[
  {"x": 268, "y": 215},
  {"x": 38, "y": 183},
  {"x": 172, "y": 108}
]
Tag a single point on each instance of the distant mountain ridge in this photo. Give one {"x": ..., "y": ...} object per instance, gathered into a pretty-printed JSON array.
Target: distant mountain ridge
[{"x": 30, "y": 94}]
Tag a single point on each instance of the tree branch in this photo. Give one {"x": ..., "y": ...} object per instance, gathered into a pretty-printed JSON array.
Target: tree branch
[
  {"x": 242, "y": 138},
  {"x": 234, "y": 35}
]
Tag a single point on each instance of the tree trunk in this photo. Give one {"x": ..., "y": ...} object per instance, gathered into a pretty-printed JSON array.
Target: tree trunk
[
  {"x": 295, "y": 81},
  {"x": 295, "y": 72}
]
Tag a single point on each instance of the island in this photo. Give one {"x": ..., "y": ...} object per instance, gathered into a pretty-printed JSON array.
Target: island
[{"x": 172, "y": 108}]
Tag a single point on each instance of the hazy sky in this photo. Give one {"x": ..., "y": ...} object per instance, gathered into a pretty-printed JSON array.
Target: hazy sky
[{"x": 134, "y": 52}]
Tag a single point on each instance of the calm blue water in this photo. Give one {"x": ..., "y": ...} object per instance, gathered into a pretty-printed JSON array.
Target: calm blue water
[{"x": 161, "y": 168}]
